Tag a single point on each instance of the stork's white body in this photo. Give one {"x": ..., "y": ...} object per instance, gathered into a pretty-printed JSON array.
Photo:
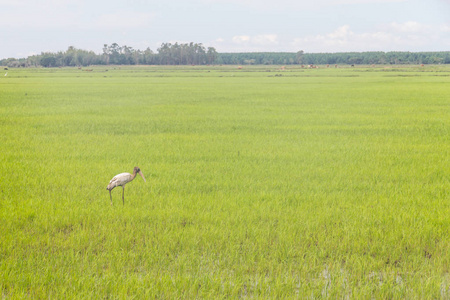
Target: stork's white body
[{"x": 122, "y": 179}]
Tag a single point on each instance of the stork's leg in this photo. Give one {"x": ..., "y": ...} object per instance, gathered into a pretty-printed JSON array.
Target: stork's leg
[
  {"x": 110, "y": 196},
  {"x": 123, "y": 193}
]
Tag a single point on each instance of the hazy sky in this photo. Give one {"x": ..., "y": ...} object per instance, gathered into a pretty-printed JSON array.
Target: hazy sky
[{"x": 32, "y": 26}]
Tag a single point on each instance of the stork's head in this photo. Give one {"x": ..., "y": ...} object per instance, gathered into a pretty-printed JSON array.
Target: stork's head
[{"x": 137, "y": 170}]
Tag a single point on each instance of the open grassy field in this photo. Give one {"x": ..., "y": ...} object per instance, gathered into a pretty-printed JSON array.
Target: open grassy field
[{"x": 261, "y": 182}]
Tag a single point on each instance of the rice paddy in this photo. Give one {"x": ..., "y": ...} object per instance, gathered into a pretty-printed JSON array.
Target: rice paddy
[{"x": 262, "y": 182}]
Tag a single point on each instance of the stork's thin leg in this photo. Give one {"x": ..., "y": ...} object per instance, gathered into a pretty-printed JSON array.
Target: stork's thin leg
[
  {"x": 123, "y": 193},
  {"x": 110, "y": 196}
]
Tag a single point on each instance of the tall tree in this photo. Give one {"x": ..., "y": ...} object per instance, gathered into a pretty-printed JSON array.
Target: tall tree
[{"x": 211, "y": 55}]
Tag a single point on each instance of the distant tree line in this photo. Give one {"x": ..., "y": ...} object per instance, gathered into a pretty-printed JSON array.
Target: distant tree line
[
  {"x": 197, "y": 54},
  {"x": 258, "y": 58},
  {"x": 71, "y": 57},
  {"x": 368, "y": 58},
  {"x": 114, "y": 54},
  {"x": 350, "y": 58}
]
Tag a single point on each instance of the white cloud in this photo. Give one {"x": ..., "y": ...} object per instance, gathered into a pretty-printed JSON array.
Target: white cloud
[
  {"x": 249, "y": 43},
  {"x": 261, "y": 39},
  {"x": 265, "y": 39},
  {"x": 239, "y": 39},
  {"x": 393, "y": 37},
  {"x": 341, "y": 33},
  {"x": 409, "y": 27}
]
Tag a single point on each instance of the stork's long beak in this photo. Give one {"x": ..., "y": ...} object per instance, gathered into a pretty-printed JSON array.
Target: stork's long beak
[{"x": 142, "y": 175}]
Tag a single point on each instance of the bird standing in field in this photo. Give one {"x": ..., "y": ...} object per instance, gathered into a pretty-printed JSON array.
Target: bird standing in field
[{"x": 122, "y": 179}]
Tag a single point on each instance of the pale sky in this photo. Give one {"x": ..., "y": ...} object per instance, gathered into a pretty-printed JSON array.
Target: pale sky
[{"x": 30, "y": 27}]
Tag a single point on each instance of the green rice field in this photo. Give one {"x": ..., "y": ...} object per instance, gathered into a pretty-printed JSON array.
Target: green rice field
[{"x": 262, "y": 182}]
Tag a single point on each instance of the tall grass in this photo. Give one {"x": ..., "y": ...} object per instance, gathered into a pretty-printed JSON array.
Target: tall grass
[{"x": 260, "y": 183}]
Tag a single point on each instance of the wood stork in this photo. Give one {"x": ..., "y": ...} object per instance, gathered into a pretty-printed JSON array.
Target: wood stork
[{"x": 122, "y": 179}]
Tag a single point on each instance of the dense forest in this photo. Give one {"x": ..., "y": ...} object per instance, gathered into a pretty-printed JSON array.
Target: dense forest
[
  {"x": 350, "y": 58},
  {"x": 197, "y": 54}
]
